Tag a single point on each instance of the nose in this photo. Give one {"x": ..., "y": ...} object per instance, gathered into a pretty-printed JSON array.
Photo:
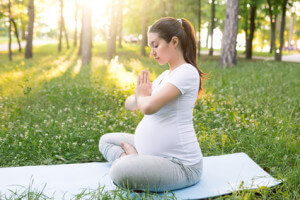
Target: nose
[{"x": 152, "y": 52}]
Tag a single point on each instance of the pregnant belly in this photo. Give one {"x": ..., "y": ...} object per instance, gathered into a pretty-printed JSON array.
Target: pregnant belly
[{"x": 155, "y": 138}]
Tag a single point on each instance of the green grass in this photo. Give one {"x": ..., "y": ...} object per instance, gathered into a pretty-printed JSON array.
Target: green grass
[{"x": 51, "y": 115}]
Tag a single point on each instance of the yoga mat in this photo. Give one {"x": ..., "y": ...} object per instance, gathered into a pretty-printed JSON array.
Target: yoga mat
[{"x": 221, "y": 175}]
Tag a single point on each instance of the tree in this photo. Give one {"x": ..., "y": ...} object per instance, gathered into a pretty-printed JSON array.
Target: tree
[
  {"x": 111, "y": 46},
  {"x": 28, "y": 49},
  {"x": 228, "y": 53},
  {"x": 282, "y": 28},
  {"x": 144, "y": 29},
  {"x": 66, "y": 34},
  {"x": 120, "y": 20},
  {"x": 199, "y": 25},
  {"x": 80, "y": 42},
  {"x": 9, "y": 32},
  {"x": 212, "y": 27},
  {"x": 62, "y": 27},
  {"x": 253, "y": 7},
  {"x": 76, "y": 15},
  {"x": 273, "y": 12},
  {"x": 86, "y": 46},
  {"x": 16, "y": 33},
  {"x": 9, "y": 10},
  {"x": 166, "y": 8},
  {"x": 244, "y": 17}
]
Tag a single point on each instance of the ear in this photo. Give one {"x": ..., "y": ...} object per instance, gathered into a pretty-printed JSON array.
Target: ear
[{"x": 175, "y": 41}]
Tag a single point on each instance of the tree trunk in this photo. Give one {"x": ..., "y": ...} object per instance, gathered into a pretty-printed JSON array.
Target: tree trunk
[
  {"x": 66, "y": 34},
  {"x": 228, "y": 53},
  {"x": 199, "y": 25},
  {"x": 144, "y": 29},
  {"x": 246, "y": 23},
  {"x": 171, "y": 8},
  {"x": 163, "y": 10},
  {"x": 9, "y": 33},
  {"x": 111, "y": 46},
  {"x": 61, "y": 24},
  {"x": 120, "y": 22},
  {"x": 23, "y": 30},
  {"x": 76, "y": 16},
  {"x": 86, "y": 46},
  {"x": 282, "y": 27},
  {"x": 28, "y": 49},
  {"x": 273, "y": 34},
  {"x": 252, "y": 29},
  {"x": 16, "y": 34},
  {"x": 80, "y": 42},
  {"x": 211, "y": 50},
  {"x": 273, "y": 26}
]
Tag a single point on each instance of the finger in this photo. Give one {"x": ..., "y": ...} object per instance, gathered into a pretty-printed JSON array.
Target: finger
[
  {"x": 138, "y": 82},
  {"x": 145, "y": 77},
  {"x": 142, "y": 77},
  {"x": 148, "y": 77}
]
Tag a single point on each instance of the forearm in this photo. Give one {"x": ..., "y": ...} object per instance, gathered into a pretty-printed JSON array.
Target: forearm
[
  {"x": 130, "y": 103},
  {"x": 144, "y": 105}
]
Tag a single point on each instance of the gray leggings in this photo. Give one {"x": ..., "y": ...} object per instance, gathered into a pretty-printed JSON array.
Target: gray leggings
[{"x": 145, "y": 172}]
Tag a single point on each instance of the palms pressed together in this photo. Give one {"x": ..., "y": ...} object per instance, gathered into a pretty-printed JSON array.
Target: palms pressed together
[{"x": 143, "y": 88}]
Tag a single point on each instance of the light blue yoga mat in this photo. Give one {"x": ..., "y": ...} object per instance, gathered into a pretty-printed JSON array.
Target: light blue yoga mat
[{"x": 221, "y": 175}]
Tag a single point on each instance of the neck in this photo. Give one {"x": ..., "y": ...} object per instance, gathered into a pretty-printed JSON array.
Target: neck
[{"x": 176, "y": 61}]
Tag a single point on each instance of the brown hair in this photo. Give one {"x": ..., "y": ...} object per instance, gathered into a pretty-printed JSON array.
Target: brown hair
[{"x": 168, "y": 27}]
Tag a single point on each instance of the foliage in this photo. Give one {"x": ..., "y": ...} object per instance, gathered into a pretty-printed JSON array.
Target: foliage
[{"x": 51, "y": 113}]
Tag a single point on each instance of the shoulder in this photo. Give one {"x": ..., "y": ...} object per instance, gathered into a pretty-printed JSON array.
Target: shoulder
[
  {"x": 187, "y": 70},
  {"x": 185, "y": 78}
]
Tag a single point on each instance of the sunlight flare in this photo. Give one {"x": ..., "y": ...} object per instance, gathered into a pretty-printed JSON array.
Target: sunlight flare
[
  {"x": 120, "y": 74},
  {"x": 77, "y": 68},
  {"x": 61, "y": 67}
]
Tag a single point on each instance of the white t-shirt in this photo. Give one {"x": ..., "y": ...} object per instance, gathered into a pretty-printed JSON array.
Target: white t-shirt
[{"x": 170, "y": 131}]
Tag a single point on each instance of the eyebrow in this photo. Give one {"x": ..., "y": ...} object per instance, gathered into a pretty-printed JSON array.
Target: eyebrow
[{"x": 152, "y": 42}]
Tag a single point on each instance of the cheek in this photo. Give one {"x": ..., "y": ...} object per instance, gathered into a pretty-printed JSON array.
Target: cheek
[
  {"x": 163, "y": 57},
  {"x": 163, "y": 52}
]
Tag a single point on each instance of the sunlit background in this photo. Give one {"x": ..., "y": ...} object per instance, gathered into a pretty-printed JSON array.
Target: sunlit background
[{"x": 48, "y": 17}]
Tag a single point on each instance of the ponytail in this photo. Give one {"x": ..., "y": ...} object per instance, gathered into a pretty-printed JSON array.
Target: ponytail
[{"x": 168, "y": 27}]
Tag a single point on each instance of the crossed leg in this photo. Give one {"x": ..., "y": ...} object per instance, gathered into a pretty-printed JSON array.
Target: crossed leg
[{"x": 114, "y": 145}]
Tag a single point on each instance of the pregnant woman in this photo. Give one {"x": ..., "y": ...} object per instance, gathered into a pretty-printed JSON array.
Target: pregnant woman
[{"x": 164, "y": 153}]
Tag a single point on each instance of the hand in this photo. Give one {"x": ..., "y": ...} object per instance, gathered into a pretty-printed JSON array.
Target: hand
[{"x": 143, "y": 85}]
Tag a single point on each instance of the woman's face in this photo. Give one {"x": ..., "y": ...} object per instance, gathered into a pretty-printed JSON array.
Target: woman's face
[{"x": 160, "y": 49}]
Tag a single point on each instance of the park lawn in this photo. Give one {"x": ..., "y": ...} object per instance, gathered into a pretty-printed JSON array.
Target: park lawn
[{"x": 53, "y": 111}]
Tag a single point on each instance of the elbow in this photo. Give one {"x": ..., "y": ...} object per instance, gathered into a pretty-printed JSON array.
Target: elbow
[
  {"x": 148, "y": 109},
  {"x": 130, "y": 104}
]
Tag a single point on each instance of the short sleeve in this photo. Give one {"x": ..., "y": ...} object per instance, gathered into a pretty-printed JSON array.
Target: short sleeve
[
  {"x": 158, "y": 80},
  {"x": 185, "y": 78}
]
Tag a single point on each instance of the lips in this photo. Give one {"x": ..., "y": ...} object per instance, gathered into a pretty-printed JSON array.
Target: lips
[{"x": 156, "y": 58}]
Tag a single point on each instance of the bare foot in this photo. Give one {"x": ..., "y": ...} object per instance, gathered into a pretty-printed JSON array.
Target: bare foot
[{"x": 129, "y": 149}]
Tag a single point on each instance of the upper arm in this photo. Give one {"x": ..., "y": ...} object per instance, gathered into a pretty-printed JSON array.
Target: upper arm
[
  {"x": 181, "y": 81},
  {"x": 161, "y": 98}
]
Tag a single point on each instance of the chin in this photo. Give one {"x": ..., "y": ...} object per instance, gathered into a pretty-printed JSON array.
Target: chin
[{"x": 161, "y": 62}]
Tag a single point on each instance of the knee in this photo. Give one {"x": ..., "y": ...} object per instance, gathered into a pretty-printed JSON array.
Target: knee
[
  {"x": 104, "y": 139},
  {"x": 121, "y": 173},
  {"x": 103, "y": 143}
]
